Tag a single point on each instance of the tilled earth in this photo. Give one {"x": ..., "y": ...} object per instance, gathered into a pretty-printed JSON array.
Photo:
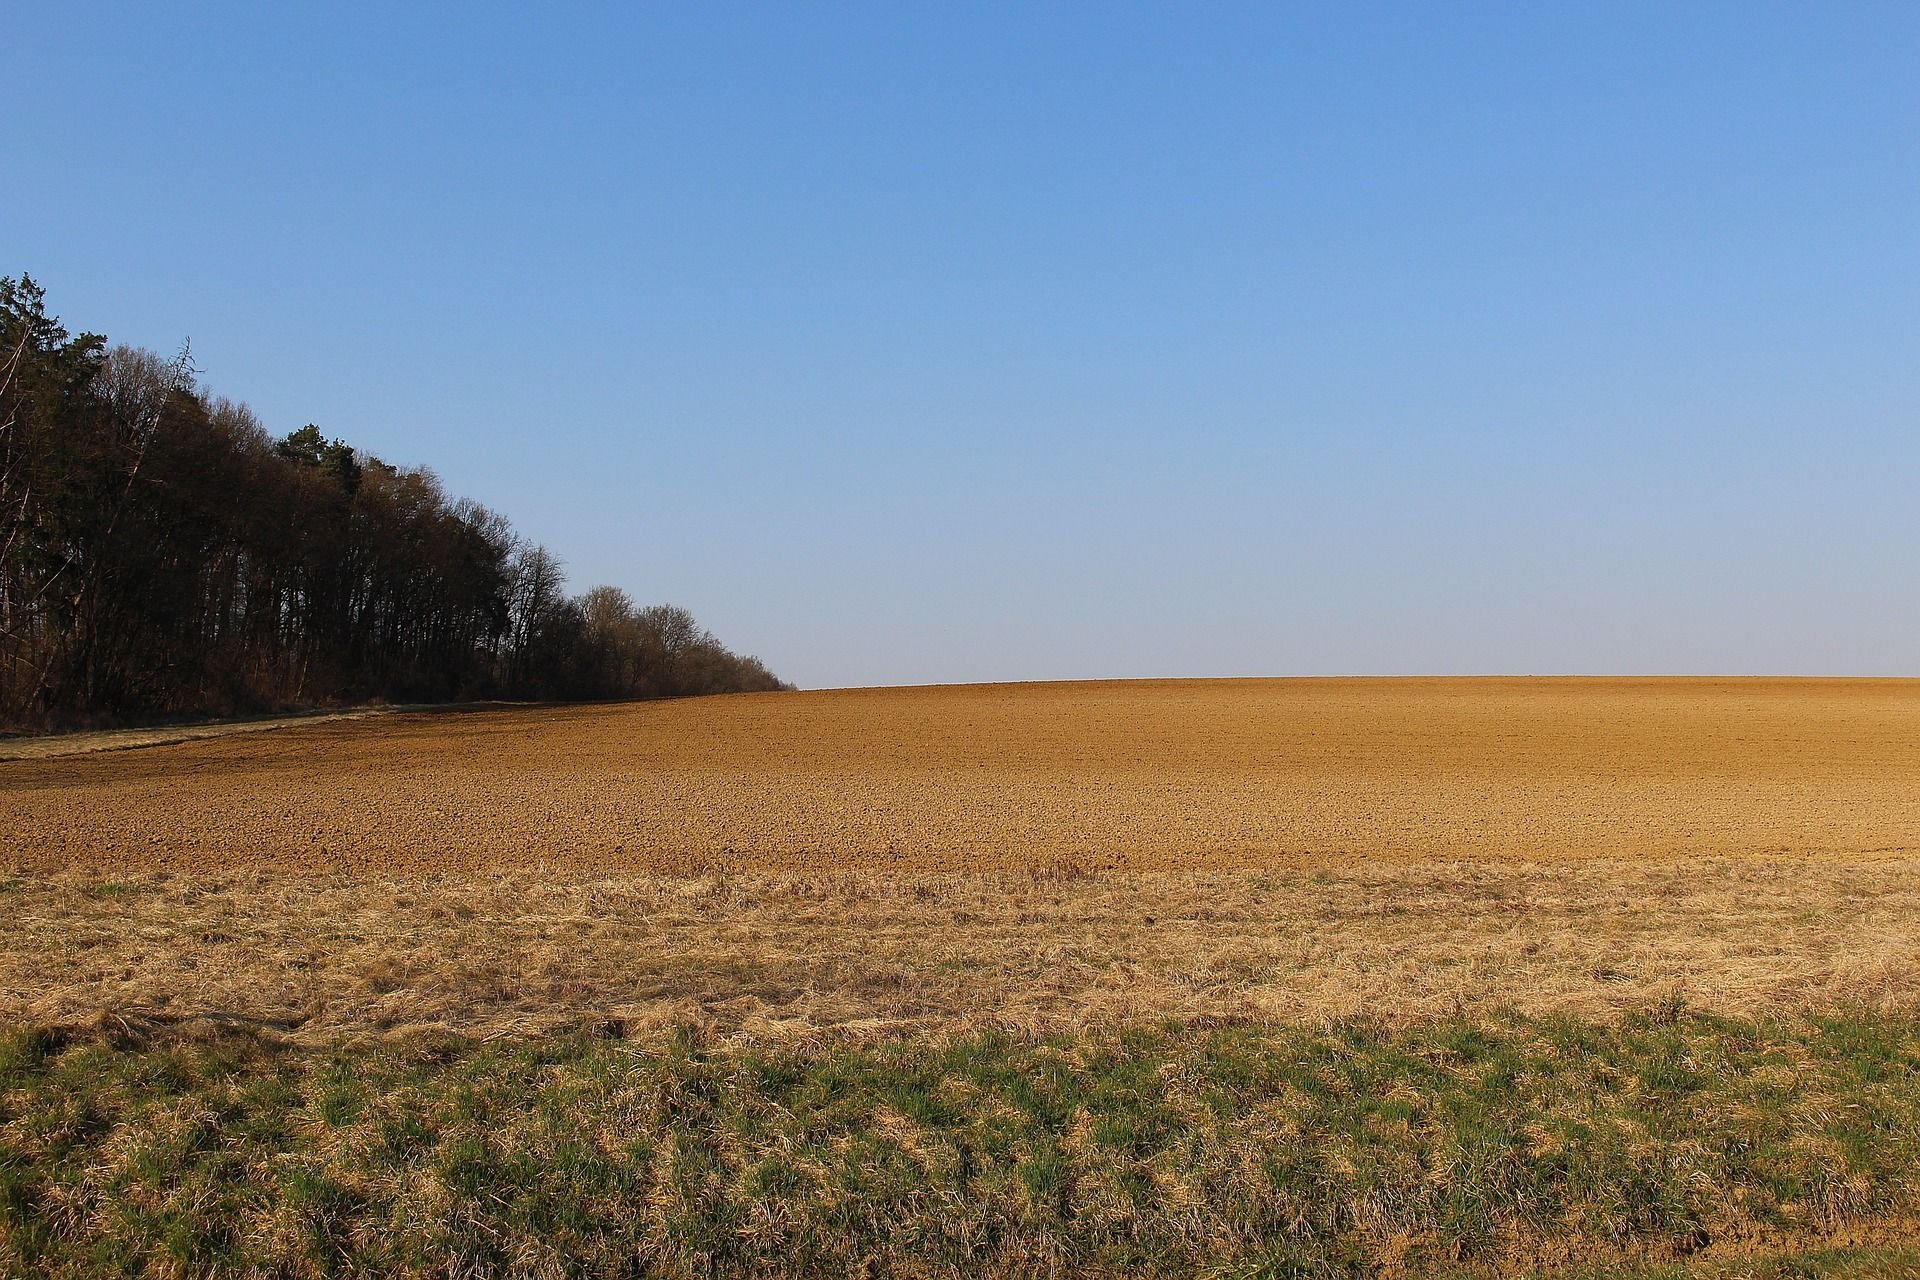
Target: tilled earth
[
  {"x": 1034, "y": 856},
  {"x": 1072, "y": 777},
  {"x": 1470, "y": 920}
]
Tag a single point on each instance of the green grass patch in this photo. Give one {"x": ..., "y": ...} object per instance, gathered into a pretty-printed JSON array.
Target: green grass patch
[
  {"x": 107, "y": 890},
  {"x": 1660, "y": 1146}
]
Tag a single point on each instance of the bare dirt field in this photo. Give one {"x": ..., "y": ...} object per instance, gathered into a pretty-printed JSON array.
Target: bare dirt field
[
  {"x": 1018, "y": 854},
  {"x": 1326, "y": 977},
  {"x": 1149, "y": 775},
  {"x": 1029, "y": 856}
]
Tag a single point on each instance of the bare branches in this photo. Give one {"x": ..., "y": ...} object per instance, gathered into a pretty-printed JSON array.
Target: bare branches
[{"x": 162, "y": 553}]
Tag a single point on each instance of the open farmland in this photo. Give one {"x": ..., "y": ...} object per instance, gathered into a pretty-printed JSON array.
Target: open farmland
[
  {"x": 1326, "y": 977},
  {"x": 1031, "y": 856},
  {"x": 1139, "y": 776}
]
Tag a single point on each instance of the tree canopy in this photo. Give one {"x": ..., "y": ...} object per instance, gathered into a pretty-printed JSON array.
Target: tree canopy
[{"x": 162, "y": 554}]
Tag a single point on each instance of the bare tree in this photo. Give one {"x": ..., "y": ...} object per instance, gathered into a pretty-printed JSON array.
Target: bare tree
[{"x": 159, "y": 552}]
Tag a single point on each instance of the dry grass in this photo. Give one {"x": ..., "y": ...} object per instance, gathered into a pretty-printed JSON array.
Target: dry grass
[
  {"x": 1031, "y": 856},
  {"x": 1295, "y": 977},
  {"x": 1452, "y": 1148},
  {"x": 771, "y": 958}
]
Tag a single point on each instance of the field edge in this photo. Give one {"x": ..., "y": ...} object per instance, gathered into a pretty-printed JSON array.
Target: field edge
[{"x": 1490, "y": 1144}]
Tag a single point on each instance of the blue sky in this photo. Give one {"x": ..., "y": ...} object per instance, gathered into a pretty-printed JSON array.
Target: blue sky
[{"x": 914, "y": 343}]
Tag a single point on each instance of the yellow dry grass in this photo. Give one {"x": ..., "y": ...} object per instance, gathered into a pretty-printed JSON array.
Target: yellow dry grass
[
  {"x": 1033, "y": 856},
  {"x": 779, "y": 957}
]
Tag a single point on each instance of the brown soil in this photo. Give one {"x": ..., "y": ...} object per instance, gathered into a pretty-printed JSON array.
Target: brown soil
[
  {"x": 1192, "y": 776},
  {"x": 1036, "y": 856}
]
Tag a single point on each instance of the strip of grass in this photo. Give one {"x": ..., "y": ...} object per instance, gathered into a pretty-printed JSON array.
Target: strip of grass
[
  {"x": 1482, "y": 1146},
  {"x": 1886, "y": 1262}
]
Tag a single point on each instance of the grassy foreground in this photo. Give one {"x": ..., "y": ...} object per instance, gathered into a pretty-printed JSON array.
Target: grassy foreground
[{"x": 1672, "y": 1143}]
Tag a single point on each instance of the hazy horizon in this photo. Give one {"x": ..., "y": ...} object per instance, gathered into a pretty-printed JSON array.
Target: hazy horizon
[
  {"x": 989, "y": 343},
  {"x": 1410, "y": 677}
]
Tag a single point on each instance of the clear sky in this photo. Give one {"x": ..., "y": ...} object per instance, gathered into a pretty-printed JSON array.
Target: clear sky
[{"x": 913, "y": 343}]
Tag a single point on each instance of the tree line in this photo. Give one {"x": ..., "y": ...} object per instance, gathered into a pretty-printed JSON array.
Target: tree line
[{"x": 161, "y": 554}]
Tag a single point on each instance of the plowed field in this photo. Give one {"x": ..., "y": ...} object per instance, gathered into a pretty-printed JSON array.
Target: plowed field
[
  {"x": 1031, "y": 856},
  {"x": 1159, "y": 775}
]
